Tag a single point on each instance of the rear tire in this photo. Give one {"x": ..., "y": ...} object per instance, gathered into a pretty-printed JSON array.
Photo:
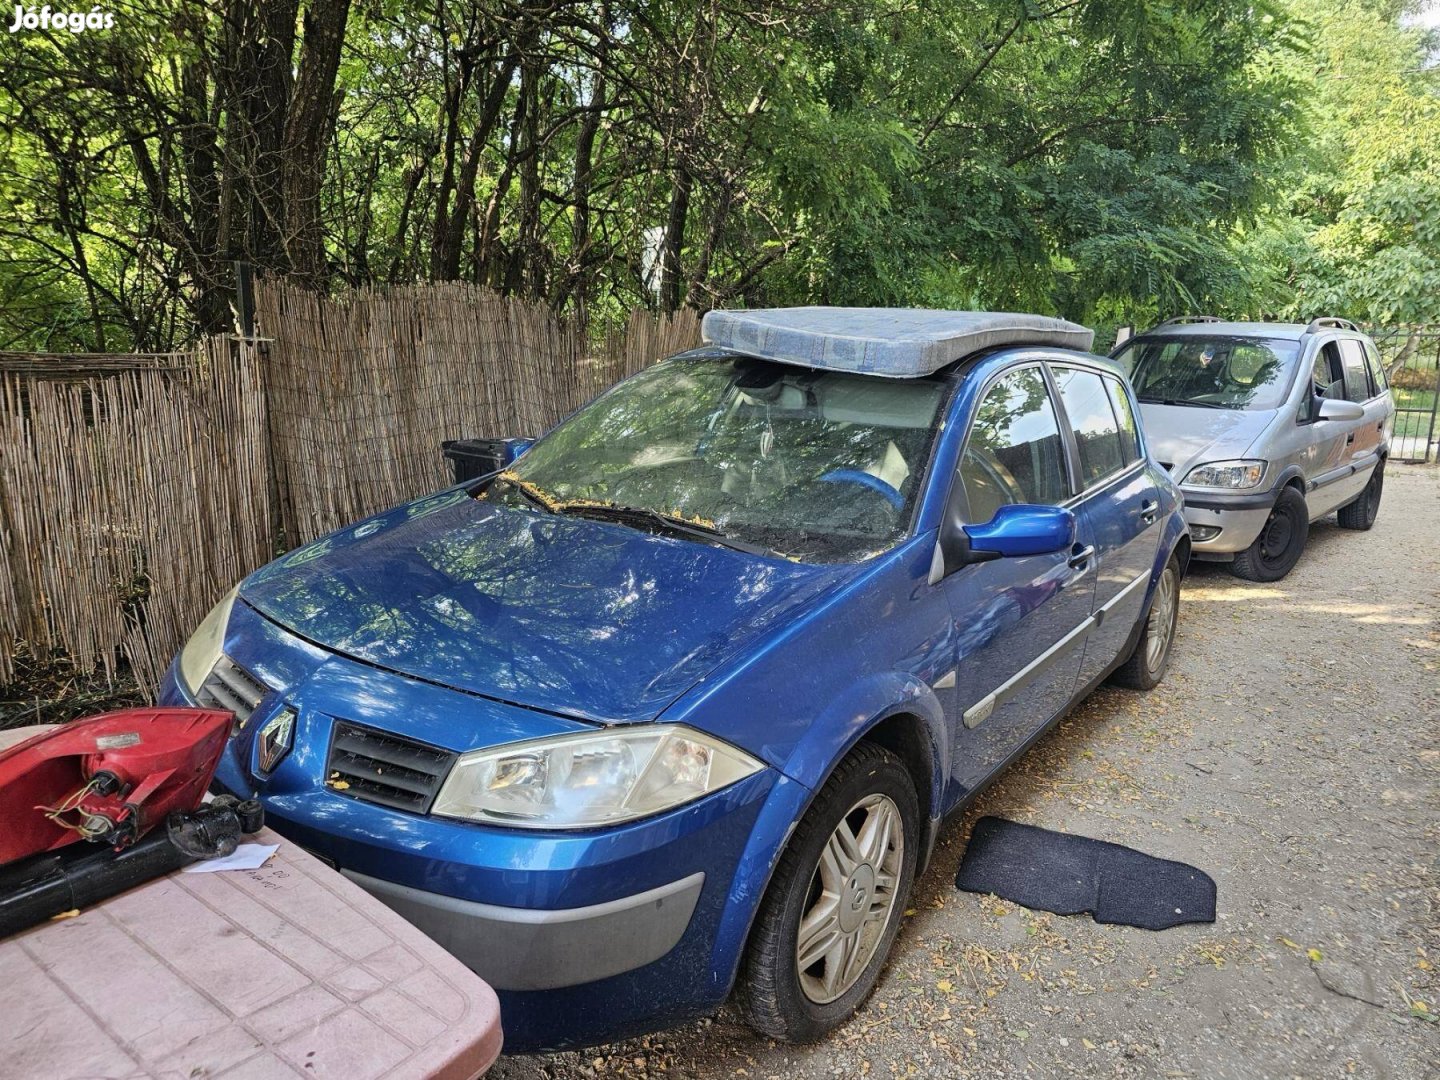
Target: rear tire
[
  {"x": 1360, "y": 515},
  {"x": 1151, "y": 659},
  {"x": 818, "y": 886},
  {"x": 1277, "y": 549}
]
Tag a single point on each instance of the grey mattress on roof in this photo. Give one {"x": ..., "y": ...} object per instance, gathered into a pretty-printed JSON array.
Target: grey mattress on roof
[{"x": 899, "y": 343}]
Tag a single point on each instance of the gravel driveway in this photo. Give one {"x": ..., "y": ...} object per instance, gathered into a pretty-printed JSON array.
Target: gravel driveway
[{"x": 1292, "y": 753}]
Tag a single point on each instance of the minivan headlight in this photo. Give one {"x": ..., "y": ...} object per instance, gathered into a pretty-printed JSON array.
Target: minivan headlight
[
  {"x": 203, "y": 649},
  {"x": 598, "y": 778},
  {"x": 1226, "y": 475}
]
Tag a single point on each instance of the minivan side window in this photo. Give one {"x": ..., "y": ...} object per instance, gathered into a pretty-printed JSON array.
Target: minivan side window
[
  {"x": 1357, "y": 379},
  {"x": 1129, "y": 430},
  {"x": 1097, "y": 432},
  {"x": 1014, "y": 453},
  {"x": 1325, "y": 382},
  {"x": 1378, "y": 385}
]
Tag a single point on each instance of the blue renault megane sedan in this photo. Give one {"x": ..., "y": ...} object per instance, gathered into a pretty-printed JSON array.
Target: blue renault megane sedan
[{"x": 672, "y": 707}]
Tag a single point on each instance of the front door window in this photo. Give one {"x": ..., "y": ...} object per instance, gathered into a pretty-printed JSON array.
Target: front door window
[{"x": 1014, "y": 453}]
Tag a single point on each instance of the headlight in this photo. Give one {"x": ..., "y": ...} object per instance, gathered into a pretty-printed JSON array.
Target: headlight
[
  {"x": 1227, "y": 475},
  {"x": 203, "y": 648},
  {"x": 598, "y": 778}
]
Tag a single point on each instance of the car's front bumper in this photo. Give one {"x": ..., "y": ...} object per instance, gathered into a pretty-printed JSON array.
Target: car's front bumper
[
  {"x": 537, "y": 949},
  {"x": 586, "y": 936},
  {"x": 1228, "y": 523}
]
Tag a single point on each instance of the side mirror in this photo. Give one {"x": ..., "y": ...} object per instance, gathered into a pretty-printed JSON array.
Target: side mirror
[
  {"x": 512, "y": 449},
  {"x": 1016, "y": 530},
  {"x": 1021, "y": 529},
  {"x": 1336, "y": 409}
]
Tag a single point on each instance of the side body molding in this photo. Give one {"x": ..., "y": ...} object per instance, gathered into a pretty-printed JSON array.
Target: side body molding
[{"x": 979, "y": 712}]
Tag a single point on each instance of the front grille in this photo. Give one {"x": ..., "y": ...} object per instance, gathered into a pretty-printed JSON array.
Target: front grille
[
  {"x": 386, "y": 769},
  {"x": 229, "y": 686}
]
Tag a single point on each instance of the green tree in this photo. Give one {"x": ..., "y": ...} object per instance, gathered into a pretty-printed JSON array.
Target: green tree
[
  {"x": 1092, "y": 158},
  {"x": 1358, "y": 234}
]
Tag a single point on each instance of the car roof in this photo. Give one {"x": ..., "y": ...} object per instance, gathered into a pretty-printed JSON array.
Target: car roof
[
  {"x": 1286, "y": 331},
  {"x": 897, "y": 343},
  {"x": 1212, "y": 328}
]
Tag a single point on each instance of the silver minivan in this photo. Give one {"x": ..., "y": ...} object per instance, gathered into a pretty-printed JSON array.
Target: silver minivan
[{"x": 1266, "y": 427}]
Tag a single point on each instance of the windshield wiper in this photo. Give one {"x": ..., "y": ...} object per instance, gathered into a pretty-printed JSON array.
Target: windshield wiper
[
  {"x": 1182, "y": 403},
  {"x": 670, "y": 523}
]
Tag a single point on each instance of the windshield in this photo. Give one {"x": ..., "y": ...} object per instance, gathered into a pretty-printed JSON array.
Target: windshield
[
  {"x": 1220, "y": 372},
  {"x": 814, "y": 465}
]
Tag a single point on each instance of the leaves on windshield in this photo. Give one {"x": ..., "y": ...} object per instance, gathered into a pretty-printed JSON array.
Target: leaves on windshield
[{"x": 557, "y": 505}]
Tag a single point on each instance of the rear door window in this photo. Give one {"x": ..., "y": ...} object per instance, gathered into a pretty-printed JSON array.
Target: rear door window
[
  {"x": 1092, "y": 417},
  {"x": 1014, "y": 453},
  {"x": 1357, "y": 378},
  {"x": 1129, "y": 429},
  {"x": 1378, "y": 385}
]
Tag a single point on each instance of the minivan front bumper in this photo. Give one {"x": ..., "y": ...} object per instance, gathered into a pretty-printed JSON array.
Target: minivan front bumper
[{"x": 1227, "y": 522}]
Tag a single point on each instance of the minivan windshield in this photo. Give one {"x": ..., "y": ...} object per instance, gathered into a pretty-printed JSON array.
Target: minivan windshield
[
  {"x": 1209, "y": 372},
  {"x": 814, "y": 465}
]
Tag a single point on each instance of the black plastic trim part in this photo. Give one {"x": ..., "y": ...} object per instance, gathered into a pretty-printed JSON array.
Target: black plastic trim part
[
  {"x": 1249, "y": 501},
  {"x": 389, "y": 770}
]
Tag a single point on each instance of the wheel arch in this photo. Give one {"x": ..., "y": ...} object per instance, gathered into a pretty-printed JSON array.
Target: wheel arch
[
  {"x": 1181, "y": 550},
  {"x": 1291, "y": 476},
  {"x": 910, "y": 725},
  {"x": 907, "y": 736}
]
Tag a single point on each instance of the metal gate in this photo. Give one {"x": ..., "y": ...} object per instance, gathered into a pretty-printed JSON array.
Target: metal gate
[{"x": 1412, "y": 363}]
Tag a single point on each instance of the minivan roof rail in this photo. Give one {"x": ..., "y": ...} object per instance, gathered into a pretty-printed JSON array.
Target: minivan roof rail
[
  {"x": 1180, "y": 320},
  {"x": 1329, "y": 322}
]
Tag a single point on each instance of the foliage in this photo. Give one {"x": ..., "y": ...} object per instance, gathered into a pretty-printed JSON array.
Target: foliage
[
  {"x": 1106, "y": 160},
  {"x": 1359, "y": 233}
]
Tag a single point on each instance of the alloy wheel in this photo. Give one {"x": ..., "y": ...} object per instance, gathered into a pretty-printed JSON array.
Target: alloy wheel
[
  {"x": 1163, "y": 611},
  {"x": 852, "y": 894}
]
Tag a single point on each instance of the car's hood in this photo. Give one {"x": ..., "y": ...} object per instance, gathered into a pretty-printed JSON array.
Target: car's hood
[
  {"x": 1184, "y": 436},
  {"x": 573, "y": 616}
]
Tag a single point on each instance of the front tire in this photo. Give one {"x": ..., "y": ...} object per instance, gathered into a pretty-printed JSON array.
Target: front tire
[
  {"x": 834, "y": 906},
  {"x": 1277, "y": 549},
  {"x": 1151, "y": 659},
  {"x": 1360, "y": 515}
]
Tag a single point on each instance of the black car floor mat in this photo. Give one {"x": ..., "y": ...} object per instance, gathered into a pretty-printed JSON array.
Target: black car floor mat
[{"x": 1067, "y": 874}]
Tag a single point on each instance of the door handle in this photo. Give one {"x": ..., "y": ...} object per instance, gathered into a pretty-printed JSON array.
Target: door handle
[
  {"x": 1148, "y": 510},
  {"x": 1079, "y": 558},
  {"x": 1349, "y": 438}
]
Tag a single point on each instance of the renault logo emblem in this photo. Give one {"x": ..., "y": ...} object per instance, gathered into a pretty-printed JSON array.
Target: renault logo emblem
[{"x": 274, "y": 740}]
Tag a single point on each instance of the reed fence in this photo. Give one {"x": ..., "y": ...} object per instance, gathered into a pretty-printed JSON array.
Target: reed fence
[
  {"x": 363, "y": 389},
  {"x": 135, "y": 490}
]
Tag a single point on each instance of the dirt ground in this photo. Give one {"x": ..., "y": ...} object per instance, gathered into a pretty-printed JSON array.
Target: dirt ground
[{"x": 1293, "y": 752}]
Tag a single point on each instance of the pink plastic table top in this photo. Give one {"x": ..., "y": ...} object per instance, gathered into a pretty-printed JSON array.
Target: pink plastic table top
[{"x": 285, "y": 971}]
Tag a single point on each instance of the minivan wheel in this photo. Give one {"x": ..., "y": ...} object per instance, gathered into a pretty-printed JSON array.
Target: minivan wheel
[
  {"x": 834, "y": 906},
  {"x": 1148, "y": 663},
  {"x": 1277, "y": 549},
  {"x": 1361, "y": 513}
]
